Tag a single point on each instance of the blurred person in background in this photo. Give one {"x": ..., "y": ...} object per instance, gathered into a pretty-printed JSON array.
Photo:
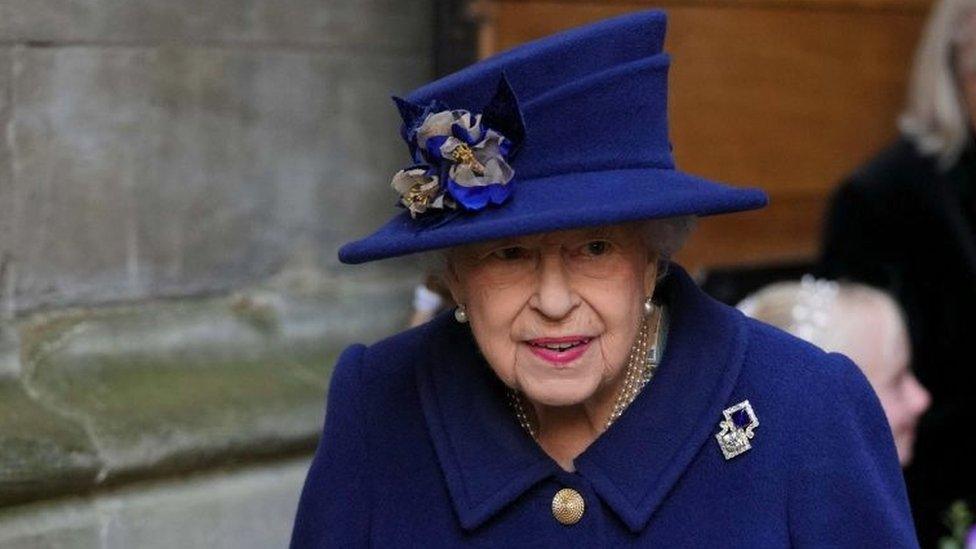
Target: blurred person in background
[
  {"x": 905, "y": 222},
  {"x": 861, "y": 322},
  {"x": 429, "y": 298}
]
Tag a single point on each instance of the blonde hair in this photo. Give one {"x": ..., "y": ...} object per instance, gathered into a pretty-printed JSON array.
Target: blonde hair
[
  {"x": 936, "y": 118},
  {"x": 825, "y": 312}
]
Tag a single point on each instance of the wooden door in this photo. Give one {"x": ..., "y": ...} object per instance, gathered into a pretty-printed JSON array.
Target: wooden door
[{"x": 786, "y": 95}]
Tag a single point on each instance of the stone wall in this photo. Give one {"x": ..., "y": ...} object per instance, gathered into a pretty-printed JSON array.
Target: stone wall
[
  {"x": 175, "y": 178},
  {"x": 170, "y": 148}
]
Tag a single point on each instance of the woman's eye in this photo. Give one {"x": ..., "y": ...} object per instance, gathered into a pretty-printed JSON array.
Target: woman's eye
[
  {"x": 597, "y": 247},
  {"x": 509, "y": 254}
]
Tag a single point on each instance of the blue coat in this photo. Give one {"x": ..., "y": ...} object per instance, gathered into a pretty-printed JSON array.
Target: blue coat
[{"x": 420, "y": 449}]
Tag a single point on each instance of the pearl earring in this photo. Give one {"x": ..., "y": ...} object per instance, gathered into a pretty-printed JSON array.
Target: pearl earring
[
  {"x": 461, "y": 314},
  {"x": 649, "y": 306}
]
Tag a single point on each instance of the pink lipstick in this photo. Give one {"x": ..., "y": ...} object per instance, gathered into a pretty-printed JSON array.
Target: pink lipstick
[{"x": 559, "y": 350}]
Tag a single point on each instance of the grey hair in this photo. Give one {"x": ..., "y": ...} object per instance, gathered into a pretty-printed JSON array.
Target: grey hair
[
  {"x": 665, "y": 237},
  {"x": 936, "y": 118}
]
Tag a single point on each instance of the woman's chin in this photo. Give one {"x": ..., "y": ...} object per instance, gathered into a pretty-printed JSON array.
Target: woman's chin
[
  {"x": 566, "y": 384},
  {"x": 560, "y": 392}
]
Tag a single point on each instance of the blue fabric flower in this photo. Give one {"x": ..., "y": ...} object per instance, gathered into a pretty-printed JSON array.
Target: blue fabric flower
[{"x": 461, "y": 157}]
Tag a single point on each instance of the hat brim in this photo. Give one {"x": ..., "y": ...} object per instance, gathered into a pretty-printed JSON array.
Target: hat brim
[{"x": 559, "y": 202}]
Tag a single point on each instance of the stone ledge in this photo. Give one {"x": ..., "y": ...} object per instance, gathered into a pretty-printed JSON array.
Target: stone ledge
[
  {"x": 245, "y": 508},
  {"x": 93, "y": 397}
]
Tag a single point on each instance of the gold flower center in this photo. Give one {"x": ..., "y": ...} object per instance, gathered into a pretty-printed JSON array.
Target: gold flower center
[
  {"x": 417, "y": 195},
  {"x": 464, "y": 155}
]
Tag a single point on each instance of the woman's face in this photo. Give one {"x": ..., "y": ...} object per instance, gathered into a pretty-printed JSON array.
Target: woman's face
[
  {"x": 555, "y": 314},
  {"x": 881, "y": 349}
]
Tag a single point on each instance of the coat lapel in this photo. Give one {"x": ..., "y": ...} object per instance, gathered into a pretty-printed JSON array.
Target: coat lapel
[
  {"x": 488, "y": 461},
  {"x": 486, "y": 458},
  {"x": 677, "y": 412}
]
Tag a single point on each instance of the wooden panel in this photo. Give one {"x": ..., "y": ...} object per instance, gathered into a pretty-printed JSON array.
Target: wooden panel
[
  {"x": 787, "y": 96},
  {"x": 785, "y": 231},
  {"x": 915, "y": 6}
]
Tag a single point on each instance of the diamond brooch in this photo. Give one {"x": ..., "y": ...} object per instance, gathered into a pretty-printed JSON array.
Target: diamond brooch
[{"x": 736, "y": 429}]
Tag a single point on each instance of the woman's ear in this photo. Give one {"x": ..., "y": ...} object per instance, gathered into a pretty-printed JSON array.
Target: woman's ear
[{"x": 650, "y": 273}]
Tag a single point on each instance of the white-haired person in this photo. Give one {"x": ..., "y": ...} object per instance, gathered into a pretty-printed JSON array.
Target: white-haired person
[
  {"x": 905, "y": 222},
  {"x": 865, "y": 324}
]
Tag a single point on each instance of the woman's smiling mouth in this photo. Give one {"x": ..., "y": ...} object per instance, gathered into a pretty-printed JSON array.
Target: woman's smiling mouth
[{"x": 559, "y": 350}]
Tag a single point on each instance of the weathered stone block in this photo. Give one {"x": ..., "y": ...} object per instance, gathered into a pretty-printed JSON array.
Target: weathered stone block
[
  {"x": 159, "y": 388},
  {"x": 239, "y": 509},
  {"x": 40, "y": 450},
  {"x": 71, "y": 524},
  {"x": 402, "y": 25},
  {"x": 175, "y": 171},
  {"x": 6, "y": 185}
]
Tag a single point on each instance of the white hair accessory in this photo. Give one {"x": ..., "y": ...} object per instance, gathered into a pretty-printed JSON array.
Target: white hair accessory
[{"x": 811, "y": 313}]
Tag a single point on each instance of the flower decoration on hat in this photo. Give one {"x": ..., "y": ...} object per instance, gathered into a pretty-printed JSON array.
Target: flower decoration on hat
[{"x": 461, "y": 159}]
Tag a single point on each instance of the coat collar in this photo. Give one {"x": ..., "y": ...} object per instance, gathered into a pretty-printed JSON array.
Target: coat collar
[{"x": 488, "y": 461}]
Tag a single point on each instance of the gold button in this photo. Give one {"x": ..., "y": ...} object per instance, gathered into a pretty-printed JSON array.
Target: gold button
[{"x": 568, "y": 506}]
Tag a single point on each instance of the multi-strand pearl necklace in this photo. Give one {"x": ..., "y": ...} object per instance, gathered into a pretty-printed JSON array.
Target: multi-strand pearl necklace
[{"x": 641, "y": 363}]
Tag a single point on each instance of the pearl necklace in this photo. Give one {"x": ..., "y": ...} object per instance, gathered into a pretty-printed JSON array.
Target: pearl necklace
[{"x": 641, "y": 364}]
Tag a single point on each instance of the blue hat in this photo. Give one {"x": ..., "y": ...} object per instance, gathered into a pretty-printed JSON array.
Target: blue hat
[{"x": 564, "y": 132}]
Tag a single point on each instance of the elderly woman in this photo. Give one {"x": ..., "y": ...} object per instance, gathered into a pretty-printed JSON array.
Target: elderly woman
[
  {"x": 906, "y": 222},
  {"x": 861, "y": 322},
  {"x": 584, "y": 392}
]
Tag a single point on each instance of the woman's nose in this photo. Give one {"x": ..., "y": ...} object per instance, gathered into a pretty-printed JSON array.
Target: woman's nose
[{"x": 554, "y": 297}]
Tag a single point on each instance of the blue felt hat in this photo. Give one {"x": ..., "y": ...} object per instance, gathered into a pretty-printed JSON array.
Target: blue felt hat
[{"x": 564, "y": 132}]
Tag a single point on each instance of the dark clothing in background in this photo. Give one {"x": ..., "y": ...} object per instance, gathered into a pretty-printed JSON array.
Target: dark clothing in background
[{"x": 901, "y": 224}]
